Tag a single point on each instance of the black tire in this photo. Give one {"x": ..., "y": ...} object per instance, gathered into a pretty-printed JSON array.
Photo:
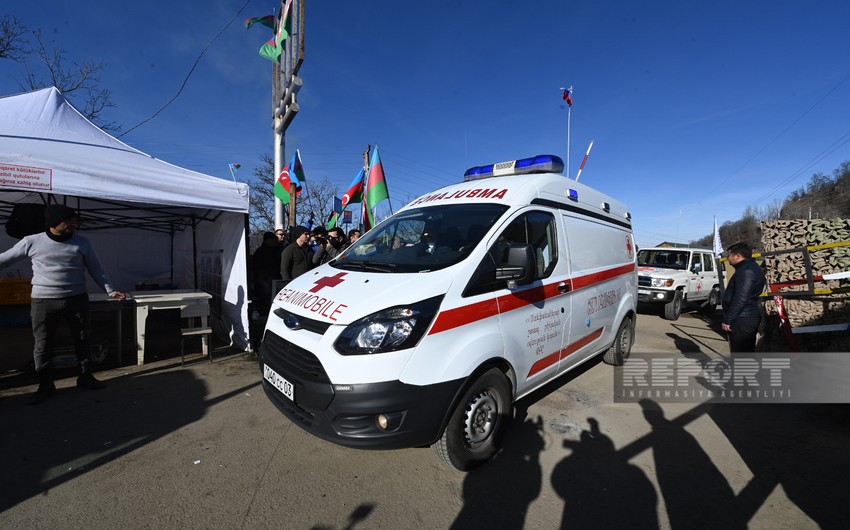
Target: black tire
[
  {"x": 673, "y": 308},
  {"x": 710, "y": 305},
  {"x": 617, "y": 354},
  {"x": 475, "y": 428}
]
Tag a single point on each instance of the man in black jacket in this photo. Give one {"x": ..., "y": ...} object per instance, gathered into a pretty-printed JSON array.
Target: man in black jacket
[
  {"x": 741, "y": 306},
  {"x": 265, "y": 269},
  {"x": 295, "y": 260}
]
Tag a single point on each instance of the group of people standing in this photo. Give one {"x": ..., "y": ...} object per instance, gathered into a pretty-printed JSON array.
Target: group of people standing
[
  {"x": 61, "y": 258},
  {"x": 274, "y": 259}
]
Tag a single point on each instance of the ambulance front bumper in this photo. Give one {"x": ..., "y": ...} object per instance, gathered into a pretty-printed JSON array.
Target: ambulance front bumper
[{"x": 385, "y": 415}]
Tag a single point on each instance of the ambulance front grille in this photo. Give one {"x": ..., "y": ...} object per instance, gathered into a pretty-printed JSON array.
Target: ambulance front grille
[
  {"x": 644, "y": 281},
  {"x": 293, "y": 359}
]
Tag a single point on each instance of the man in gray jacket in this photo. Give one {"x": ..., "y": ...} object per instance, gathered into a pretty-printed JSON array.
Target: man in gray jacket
[
  {"x": 60, "y": 258},
  {"x": 741, "y": 306}
]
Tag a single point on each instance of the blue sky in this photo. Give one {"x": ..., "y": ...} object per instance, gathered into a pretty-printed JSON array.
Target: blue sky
[{"x": 697, "y": 109}]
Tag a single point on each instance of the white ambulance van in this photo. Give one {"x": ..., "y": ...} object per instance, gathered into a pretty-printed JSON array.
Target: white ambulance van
[{"x": 429, "y": 328}]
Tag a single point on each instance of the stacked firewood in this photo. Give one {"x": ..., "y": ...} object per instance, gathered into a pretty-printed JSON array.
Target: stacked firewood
[{"x": 811, "y": 310}]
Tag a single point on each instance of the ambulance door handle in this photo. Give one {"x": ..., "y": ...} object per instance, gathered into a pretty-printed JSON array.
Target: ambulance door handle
[{"x": 565, "y": 287}]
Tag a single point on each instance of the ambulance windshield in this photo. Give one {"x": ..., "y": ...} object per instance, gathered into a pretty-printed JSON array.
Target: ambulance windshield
[{"x": 422, "y": 239}]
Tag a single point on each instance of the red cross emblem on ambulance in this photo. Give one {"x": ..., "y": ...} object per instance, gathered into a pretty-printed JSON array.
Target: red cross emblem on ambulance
[{"x": 328, "y": 281}]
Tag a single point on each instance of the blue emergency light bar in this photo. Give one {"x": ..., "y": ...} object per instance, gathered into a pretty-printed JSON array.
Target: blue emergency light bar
[{"x": 524, "y": 166}]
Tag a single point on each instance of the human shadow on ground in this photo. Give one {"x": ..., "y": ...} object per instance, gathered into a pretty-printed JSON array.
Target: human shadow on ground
[
  {"x": 75, "y": 431},
  {"x": 696, "y": 493},
  {"x": 498, "y": 494},
  {"x": 600, "y": 488},
  {"x": 801, "y": 448}
]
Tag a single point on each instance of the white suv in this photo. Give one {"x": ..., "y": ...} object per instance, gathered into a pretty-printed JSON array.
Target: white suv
[{"x": 676, "y": 276}]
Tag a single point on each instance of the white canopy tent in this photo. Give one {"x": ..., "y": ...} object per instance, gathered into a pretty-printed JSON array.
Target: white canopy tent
[{"x": 150, "y": 222}]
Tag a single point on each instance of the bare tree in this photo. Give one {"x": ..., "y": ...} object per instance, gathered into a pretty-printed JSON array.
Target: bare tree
[
  {"x": 80, "y": 83},
  {"x": 13, "y": 44}
]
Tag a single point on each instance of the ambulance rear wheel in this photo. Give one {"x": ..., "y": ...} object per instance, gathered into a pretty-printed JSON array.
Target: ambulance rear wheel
[
  {"x": 475, "y": 428},
  {"x": 617, "y": 354},
  {"x": 673, "y": 308}
]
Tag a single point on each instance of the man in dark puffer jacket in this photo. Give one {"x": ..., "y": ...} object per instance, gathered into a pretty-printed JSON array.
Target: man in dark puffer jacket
[{"x": 741, "y": 306}]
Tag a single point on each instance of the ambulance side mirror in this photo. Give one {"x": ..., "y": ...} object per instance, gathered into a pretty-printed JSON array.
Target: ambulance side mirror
[{"x": 520, "y": 265}]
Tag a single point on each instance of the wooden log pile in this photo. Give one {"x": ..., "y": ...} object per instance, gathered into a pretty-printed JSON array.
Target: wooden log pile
[{"x": 785, "y": 234}]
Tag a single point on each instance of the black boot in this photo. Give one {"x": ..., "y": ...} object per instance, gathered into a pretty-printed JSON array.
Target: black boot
[
  {"x": 87, "y": 380},
  {"x": 46, "y": 388}
]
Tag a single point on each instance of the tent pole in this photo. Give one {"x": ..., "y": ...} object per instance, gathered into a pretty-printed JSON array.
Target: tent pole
[
  {"x": 195, "y": 250},
  {"x": 172, "y": 255}
]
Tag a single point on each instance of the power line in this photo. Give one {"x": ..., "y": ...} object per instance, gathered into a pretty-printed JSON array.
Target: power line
[
  {"x": 186, "y": 80},
  {"x": 808, "y": 165},
  {"x": 786, "y": 129}
]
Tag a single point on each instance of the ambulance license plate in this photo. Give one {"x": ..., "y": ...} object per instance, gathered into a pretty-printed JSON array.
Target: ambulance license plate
[
  {"x": 286, "y": 388},
  {"x": 643, "y": 291}
]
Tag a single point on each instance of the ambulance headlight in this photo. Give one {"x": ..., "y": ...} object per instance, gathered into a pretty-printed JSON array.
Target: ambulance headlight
[
  {"x": 396, "y": 328},
  {"x": 662, "y": 282}
]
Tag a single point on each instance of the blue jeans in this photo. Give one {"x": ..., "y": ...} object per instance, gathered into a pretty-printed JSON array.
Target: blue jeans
[{"x": 46, "y": 313}]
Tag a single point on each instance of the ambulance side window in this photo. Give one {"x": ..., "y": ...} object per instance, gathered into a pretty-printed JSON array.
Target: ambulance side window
[
  {"x": 538, "y": 230},
  {"x": 534, "y": 228}
]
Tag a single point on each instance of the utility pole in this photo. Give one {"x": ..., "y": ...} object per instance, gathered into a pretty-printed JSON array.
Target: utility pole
[{"x": 285, "y": 85}]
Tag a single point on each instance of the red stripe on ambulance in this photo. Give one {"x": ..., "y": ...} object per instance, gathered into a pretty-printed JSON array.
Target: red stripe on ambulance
[
  {"x": 549, "y": 360},
  {"x": 461, "y": 316}
]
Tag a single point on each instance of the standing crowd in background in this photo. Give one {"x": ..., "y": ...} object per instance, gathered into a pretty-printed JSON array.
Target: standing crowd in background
[{"x": 284, "y": 258}]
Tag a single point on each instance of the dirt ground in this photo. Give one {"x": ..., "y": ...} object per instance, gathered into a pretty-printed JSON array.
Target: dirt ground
[{"x": 200, "y": 446}]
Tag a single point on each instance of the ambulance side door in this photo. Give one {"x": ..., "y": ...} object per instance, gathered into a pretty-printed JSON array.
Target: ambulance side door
[
  {"x": 532, "y": 316},
  {"x": 595, "y": 250}
]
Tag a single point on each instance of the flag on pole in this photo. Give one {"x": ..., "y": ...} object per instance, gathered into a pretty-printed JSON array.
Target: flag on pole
[
  {"x": 273, "y": 48},
  {"x": 376, "y": 185},
  {"x": 353, "y": 195},
  {"x": 233, "y": 168},
  {"x": 267, "y": 21},
  {"x": 269, "y": 50},
  {"x": 718, "y": 246},
  {"x": 568, "y": 96},
  {"x": 292, "y": 177}
]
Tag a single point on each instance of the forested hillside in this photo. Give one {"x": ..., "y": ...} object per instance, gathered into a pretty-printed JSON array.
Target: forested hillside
[{"x": 822, "y": 198}]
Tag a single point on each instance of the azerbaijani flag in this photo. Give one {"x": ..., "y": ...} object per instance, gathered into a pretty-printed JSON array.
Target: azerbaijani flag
[
  {"x": 269, "y": 50},
  {"x": 291, "y": 176},
  {"x": 267, "y": 21},
  {"x": 376, "y": 185},
  {"x": 273, "y": 48},
  {"x": 353, "y": 195}
]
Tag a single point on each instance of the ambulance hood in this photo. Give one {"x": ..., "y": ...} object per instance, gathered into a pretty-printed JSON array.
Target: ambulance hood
[{"x": 337, "y": 296}]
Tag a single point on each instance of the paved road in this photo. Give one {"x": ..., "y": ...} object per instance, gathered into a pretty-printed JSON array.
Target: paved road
[{"x": 202, "y": 447}]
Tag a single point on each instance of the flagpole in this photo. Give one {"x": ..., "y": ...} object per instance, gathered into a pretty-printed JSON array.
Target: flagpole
[
  {"x": 567, "y": 96},
  {"x": 569, "y": 122},
  {"x": 583, "y": 162},
  {"x": 364, "y": 206}
]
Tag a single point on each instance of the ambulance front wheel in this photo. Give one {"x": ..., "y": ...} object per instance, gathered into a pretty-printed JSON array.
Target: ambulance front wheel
[
  {"x": 617, "y": 354},
  {"x": 475, "y": 428}
]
